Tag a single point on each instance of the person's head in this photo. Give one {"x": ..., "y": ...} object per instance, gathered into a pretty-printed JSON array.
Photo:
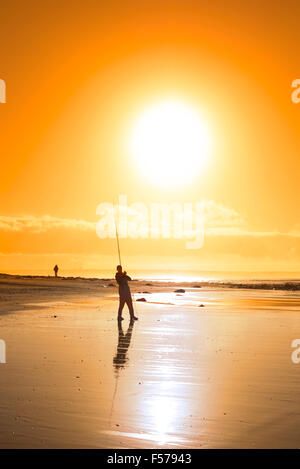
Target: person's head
[{"x": 119, "y": 269}]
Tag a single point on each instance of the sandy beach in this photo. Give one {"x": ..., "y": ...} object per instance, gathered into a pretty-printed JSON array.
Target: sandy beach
[{"x": 183, "y": 376}]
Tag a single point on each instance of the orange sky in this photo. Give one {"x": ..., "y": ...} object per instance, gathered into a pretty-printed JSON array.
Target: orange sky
[{"x": 77, "y": 75}]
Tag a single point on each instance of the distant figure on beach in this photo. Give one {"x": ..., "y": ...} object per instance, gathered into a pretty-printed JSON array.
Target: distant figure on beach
[
  {"x": 124, "y": 293},
  {"x": 55, "y": 270}
]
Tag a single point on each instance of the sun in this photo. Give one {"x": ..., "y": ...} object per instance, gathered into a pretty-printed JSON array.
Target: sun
[{"x": 170, "y": 143}]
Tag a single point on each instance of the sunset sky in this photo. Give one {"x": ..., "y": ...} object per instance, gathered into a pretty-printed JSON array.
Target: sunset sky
[{"x": 79, "y": 75}]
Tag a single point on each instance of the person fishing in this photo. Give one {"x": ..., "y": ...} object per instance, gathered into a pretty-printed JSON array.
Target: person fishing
[
  {"x": 124, "y": 294},
  {"x": 55, "y": 268}
]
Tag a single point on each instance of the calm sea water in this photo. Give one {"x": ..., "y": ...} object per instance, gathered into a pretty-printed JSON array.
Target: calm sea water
[{"x": 171, "y": 276}]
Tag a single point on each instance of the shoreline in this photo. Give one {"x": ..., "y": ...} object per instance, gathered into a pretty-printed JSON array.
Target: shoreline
[{"x": 272, "y": 284}]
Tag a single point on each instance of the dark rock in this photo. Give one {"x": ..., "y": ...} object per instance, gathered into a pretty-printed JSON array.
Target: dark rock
[
  {"x": 180, "y": 290},
  {"x": 141, "y": 299}
]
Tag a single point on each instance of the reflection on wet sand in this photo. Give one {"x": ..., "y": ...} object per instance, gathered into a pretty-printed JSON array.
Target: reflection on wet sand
[
  {"x": 196, "y": 378},
  {"x": 156, "y": 399},
  {"x": 186, "y": 377},
  {"x": 120, "y": 358}
]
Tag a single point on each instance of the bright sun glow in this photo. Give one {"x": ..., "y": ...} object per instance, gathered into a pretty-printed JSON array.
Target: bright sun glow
[{"x": 170, "y": 143}]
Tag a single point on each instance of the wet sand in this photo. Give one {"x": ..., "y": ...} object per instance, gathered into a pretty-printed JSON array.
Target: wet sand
[{"x": 183, "y": 376}]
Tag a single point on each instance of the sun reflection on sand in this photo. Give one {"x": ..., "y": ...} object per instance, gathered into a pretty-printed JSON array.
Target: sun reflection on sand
[
  {"x": 164, "y": 411},
  {"x": 159, "y": 402}
]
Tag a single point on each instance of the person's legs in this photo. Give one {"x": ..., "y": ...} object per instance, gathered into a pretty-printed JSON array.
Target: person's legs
[
  {"x": 121, "y": 306},
  {"x": 130, "y": 307}
]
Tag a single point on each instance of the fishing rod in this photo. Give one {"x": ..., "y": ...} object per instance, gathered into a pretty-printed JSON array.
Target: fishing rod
[
  {"x": 118, "y": 245},
  {"x": 117, "y": 235}
]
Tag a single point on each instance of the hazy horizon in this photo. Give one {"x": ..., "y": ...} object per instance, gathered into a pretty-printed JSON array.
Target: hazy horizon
[{"x": 164, "y": 275}]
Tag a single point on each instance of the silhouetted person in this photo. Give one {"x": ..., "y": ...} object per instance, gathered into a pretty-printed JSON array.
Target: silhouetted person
[
  {"x": 124, "y": 292},
  {"x": 120, "y": 358},
  {"x": 55, "y": 270}
]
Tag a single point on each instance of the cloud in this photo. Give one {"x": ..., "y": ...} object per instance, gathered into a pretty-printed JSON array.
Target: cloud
[
  {"x": 225, "y": 221},
  {"x": 30, "y": 223},
  {"x": 236, "y": 231},
  {"x": 219, "y": 221},
  {"x": 219, "y": 216}
]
